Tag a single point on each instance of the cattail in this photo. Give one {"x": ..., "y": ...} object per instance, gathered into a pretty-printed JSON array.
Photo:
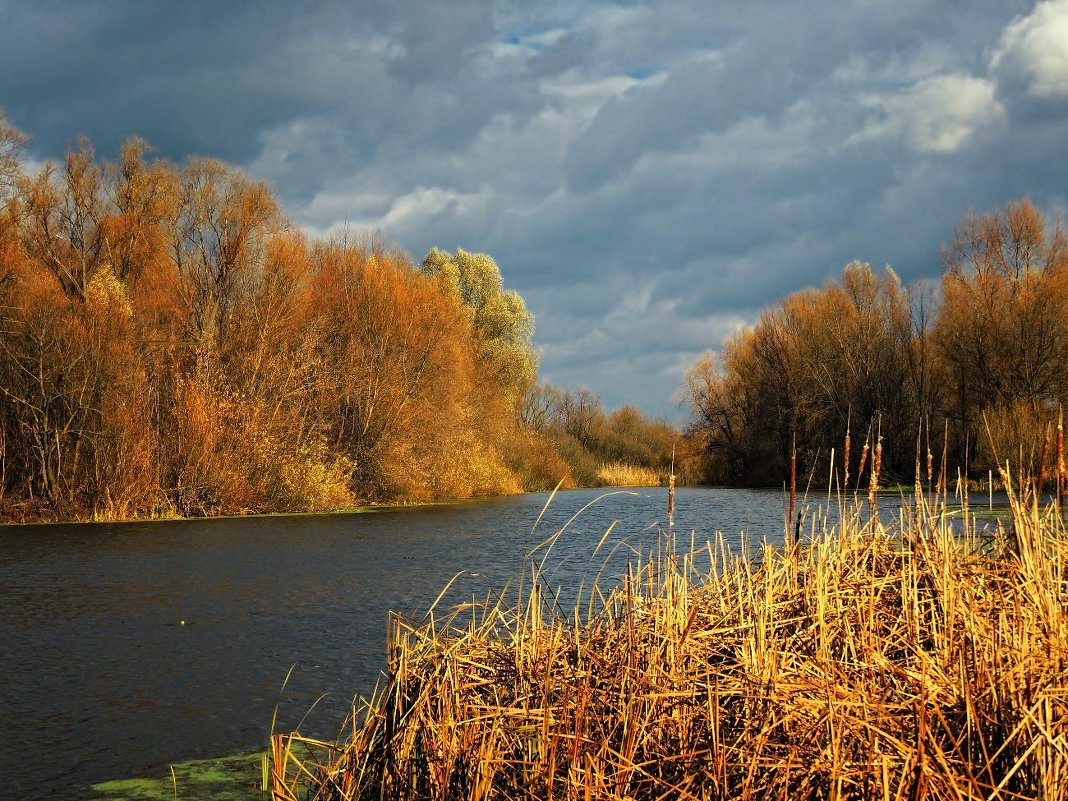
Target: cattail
[
  {"x": 1042, "y": 464},
  {"x": 876, "y": 466},
  {"x": 1060, "y": 457},
  {"x": 793, "y": 491},
  {"x": 671, "y": 490},
  {"x": 919, "y": 473},
  {"x": 845, "y": 454},
  {"x": 845, "y": 457},
  {"x": 945, "y": 459},
  {"x": 918, "y": 508},
  {"x": 863, "y": 462}
]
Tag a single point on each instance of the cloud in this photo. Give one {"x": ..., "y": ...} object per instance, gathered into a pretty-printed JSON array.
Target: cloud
[
  {"x": 939, "y": 114},
  {"x": 1034, "y": 49}
]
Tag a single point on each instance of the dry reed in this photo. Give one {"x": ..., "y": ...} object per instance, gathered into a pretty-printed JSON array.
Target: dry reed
[
  {"x": 912, "y": 661},
  {"x": 623, "y": 474}
]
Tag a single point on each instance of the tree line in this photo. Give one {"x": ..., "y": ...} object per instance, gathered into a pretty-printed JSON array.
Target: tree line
[
  {"x": 171, "y": 344},
  {"x": 972, "y": 367},
  {"x": 576, "y": 440}
]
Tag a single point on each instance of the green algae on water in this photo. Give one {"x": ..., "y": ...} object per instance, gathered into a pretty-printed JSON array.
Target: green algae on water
[{"x": 231, "y": 778}]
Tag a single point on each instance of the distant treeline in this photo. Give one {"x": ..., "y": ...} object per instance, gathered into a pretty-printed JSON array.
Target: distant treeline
[
  {"x": 572, "y": 437},
  {"x": 976, "y": 367},
  {"x": 171, "y": 345}
]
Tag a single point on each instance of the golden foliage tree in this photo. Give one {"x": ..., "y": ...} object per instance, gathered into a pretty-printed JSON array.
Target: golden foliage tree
[
  {"x": 864, "y": 350},
  {"x": 1002, "y": 334},
  {"x": 811, "y": 364},
  {"x": 170, "y": 345}
]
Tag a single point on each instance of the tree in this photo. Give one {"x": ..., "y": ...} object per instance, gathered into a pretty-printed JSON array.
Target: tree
[
  {"x": 540, "y": 409},
  {"x": 218, "y": 240},
  {"x": 168, "y": 344},
  {"x": 716, "y": 416},
  {"x": 61, "y": 220},
  {"x": 401, "y": 393},
  {"x": 811, "y": 364},
  {"x": 1002, "y": 334},
  {"x": 142, "y": 196},
  {"x": 503, "y": 327}
]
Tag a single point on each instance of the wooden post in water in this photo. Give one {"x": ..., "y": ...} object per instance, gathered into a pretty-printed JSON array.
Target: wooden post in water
[{"x": 671, "y": 490}]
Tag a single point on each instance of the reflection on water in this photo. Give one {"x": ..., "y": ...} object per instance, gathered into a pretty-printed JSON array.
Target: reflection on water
[{"x": 130, "y": 647}]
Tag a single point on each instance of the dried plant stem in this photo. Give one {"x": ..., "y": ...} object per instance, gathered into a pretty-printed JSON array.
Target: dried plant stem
[{"x": 852, "y": 668}]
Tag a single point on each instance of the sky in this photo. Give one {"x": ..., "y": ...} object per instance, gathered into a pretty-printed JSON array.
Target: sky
[{"x": 648, "y": 175}]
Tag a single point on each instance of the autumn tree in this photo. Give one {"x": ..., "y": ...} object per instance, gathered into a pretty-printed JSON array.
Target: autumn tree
[
  {"x": 143, "y": 196},
  {"x": 76, "y": 414},
  {"x": 812, "y": 364},
  {"x": 169, "y": 344},
  {"x": 540, "y": 408},
  {"x": 630, "y": 437},
  {"x": 218, "y": 240},
  {"x": 402, "y": 382},
  {"x": 717, "y": 418},
  {"x": 62, "y": 215},
  {"x": 570, "y": 437},
  {"x": 1002, "y": 334}
]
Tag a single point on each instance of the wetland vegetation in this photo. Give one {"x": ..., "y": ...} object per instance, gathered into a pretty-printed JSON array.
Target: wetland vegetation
[{"x": 914, "y": 660}]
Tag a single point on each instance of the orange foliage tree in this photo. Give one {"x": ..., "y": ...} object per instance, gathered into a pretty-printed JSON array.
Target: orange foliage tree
[
  {"x": 985, "y": 364},
  {"x": 1002, "y": 334},
  {"x": 169, "y": 344},
  {"x": 810, "y": 365}
]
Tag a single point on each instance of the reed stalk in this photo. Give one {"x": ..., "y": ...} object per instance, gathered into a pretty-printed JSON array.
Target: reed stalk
[
  {"x": 850, "y": 668},
  {"x": 1060, "y": 459}
]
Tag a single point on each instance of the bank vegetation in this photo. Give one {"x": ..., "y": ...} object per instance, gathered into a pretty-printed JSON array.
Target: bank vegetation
[
  {"x": 172, "y": 345},
  {"x": 919, "y": 659},
  {"x": 978, "y": 359}
]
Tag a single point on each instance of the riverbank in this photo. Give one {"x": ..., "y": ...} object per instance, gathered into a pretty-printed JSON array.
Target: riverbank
[
  {"x": 637, "y": 479},
  {"x": 911, "y": 660}
]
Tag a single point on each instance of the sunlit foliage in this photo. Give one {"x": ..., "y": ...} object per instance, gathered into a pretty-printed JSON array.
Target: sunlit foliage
[
  {"x": 171, "y": 345},
  {"x": 980, "y": 373},
  {"x": 572, "y": 438}
]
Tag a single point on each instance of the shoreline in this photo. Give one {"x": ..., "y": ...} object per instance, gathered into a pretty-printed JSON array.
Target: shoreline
[{"x": 359, "y": 509}]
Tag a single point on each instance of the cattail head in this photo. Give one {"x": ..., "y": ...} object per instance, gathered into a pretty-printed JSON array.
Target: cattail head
[
  {"x": 876, "y": 465},
  {"x": 877, "y": 462},
  {"x": 1060, "y": 446},
  {"x": 1042, "y": 464},
  {"x": 845, "y": 454}
]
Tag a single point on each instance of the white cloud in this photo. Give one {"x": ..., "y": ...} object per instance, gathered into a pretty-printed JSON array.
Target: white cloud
[
  {"x": 590, "y": 95},
  {"x": 1036, "y": 46},
  {"x": 423, "y": 204},
  {"x": 935, "y": 115}
]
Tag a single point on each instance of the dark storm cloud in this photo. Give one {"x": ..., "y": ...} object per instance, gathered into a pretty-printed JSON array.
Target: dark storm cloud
[{"x": 648, "y": 175}]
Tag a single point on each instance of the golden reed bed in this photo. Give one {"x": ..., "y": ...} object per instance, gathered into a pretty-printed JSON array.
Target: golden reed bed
[{"x": 913, "y": 661}]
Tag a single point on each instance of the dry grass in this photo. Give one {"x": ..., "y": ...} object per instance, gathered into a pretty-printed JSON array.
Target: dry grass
[
  {"x": 621, "y": 474},
  {"x": 871, "y": 662}
]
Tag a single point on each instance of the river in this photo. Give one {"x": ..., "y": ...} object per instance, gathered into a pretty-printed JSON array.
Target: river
[{"x": 130, "y": 647}]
